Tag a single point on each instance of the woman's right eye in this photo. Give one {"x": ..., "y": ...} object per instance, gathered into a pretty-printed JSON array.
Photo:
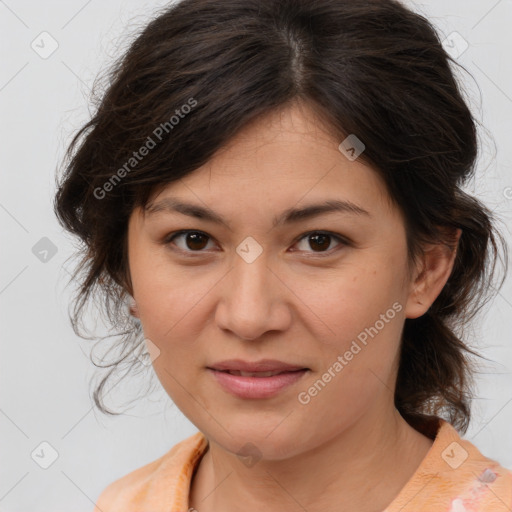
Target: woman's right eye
[{"x": 192, "y": 241}]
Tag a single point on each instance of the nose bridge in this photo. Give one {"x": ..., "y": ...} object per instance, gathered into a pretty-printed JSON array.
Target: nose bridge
[
  {"x": 251, "y": 278},
  {"x": 250, "y": 299}
]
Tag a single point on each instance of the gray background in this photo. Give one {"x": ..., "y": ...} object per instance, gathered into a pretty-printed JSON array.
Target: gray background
[{"x": 45, "y": 370}]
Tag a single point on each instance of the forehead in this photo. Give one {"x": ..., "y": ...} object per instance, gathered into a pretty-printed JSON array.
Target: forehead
[
  {"x": 295, "y": 130},
  {"x": 285, "y": 159}
]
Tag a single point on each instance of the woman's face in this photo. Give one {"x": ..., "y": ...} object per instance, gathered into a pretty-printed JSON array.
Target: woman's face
[{"x": 260, "y": 286}]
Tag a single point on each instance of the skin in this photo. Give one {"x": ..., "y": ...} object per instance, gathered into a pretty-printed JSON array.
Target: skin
[{"x": 300, "y": 302}]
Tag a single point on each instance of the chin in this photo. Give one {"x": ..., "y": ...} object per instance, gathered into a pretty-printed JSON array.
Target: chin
[{"x": 253, "y": 443}]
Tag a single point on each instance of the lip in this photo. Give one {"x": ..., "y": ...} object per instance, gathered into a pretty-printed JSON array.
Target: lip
[
  {"x": 256, "y": 387},
  {"x": 264, "y": 365}
]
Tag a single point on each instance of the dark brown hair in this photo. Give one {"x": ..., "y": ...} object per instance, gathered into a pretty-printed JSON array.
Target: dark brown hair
[{"x": 202, "y": 69}]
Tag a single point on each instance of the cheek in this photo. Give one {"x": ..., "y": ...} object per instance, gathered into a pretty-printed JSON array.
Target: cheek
[
  {"x": 353, "y": 297},
  {"x": 174, "y": 307},
  {"x": 165, "y": 293},
  {"x": 363, "y": 312}
]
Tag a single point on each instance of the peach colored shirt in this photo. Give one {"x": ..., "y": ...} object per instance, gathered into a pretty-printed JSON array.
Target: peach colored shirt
[{"x": 453, "y": 477}]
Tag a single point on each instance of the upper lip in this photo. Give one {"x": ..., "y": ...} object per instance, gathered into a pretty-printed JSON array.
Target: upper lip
[{"x": 265, "y": 365}]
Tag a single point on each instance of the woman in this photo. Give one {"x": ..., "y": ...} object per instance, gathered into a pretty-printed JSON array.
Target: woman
[{"x": 273, "y": 189}]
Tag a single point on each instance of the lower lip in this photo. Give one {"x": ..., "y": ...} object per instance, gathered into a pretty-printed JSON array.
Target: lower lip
[{"x": 256, "y": 387}]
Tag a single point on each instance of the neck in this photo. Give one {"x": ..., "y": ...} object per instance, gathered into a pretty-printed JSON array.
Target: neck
[{"x": 363, "y": 468}]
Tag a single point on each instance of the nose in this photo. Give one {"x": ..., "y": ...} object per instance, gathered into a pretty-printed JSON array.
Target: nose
[{"x": 254, "y": 300}]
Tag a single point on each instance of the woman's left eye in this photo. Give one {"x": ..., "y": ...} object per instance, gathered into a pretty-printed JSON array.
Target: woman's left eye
[
  {"x": 322, "y": 240},
  {"x": 195, "y": 241}
]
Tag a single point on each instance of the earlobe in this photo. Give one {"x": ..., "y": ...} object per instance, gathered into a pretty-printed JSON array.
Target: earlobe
[
  {"x": 132, "y": 307},
  {"x": 433, "y": 272}
]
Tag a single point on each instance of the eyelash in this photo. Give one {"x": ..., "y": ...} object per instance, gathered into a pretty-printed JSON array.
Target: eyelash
[{"x": 168, "y": 240}]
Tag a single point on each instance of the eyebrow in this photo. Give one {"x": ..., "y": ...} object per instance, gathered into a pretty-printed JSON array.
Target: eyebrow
[{"x": 289, "y": 216}]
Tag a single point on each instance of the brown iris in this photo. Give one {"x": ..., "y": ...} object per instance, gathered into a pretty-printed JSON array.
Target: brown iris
[
  {"x": 196, "y": 241},
  {"x": 322, "y": 240}
]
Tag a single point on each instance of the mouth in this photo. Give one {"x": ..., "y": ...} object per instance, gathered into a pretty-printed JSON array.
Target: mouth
[{"x": 257, "y": 384}]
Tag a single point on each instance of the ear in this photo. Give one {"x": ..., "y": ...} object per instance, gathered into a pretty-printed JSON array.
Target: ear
[
  {"x": 131, "y": 305},
  {"x": 431, "y": 274}
]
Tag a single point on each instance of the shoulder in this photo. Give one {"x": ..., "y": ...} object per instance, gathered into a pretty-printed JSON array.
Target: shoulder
[
  {"x": 466, "y": 475},
  {"x": 159, "y": 483}
]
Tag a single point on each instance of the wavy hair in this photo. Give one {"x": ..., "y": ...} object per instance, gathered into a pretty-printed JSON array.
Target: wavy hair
[{"x": 200, "y": 70}]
